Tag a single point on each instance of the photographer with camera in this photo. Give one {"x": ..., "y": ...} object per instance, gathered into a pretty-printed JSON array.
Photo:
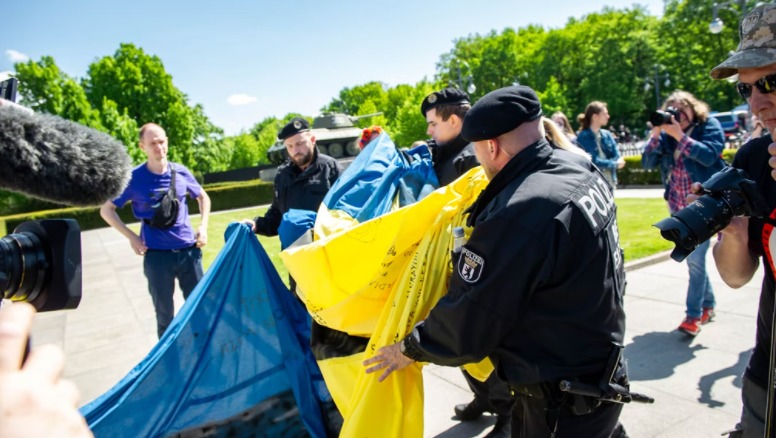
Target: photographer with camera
[
  {"x": 686, "y": 145},
  {"x": 169, "y": 244},
  {"x": 746, "y": 239}
]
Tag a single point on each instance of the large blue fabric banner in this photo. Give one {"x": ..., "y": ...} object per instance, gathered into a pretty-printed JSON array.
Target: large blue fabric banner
[{"x": 240, "y": 341}]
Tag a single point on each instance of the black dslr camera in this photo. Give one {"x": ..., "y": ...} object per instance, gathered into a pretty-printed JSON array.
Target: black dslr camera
[
  {"x": 662, "y": 117},
  {"x": 727, "y": 193},
  {"x": 40, "y": 263}
]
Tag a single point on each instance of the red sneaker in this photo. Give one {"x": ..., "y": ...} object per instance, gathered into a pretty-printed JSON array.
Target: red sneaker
[
  {"x": 708, "y": 314},
  {"x": 691, "y": 326}
]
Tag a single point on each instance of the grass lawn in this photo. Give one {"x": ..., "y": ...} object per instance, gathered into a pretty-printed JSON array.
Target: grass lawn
[
  {"x": 635, "y": 218},
  {"x": 637, "y": 235}
]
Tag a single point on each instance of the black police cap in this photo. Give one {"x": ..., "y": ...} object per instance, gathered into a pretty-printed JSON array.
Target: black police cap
[
  {"x": 448, "y": 96},
  {"x": 293, "y": 127},
  {"x": 499, "y": 112}
]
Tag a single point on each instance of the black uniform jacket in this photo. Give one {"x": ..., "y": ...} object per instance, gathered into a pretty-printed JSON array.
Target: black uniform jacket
[
  {"x": 538, "y": 287},
  {"x": 299, "y": 190},
  {"x": 453, "y": 160}
]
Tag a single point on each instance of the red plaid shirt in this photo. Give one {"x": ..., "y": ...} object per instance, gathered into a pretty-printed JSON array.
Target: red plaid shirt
[{"x": 679, "y": 181}]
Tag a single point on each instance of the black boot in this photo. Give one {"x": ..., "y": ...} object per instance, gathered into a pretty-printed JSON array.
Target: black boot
[
  {"x": 502, "y": 428},
  {"x": 468, "y": 412}
]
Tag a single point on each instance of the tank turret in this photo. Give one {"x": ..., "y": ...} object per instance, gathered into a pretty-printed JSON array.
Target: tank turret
[{"x": 336, "y": 135}]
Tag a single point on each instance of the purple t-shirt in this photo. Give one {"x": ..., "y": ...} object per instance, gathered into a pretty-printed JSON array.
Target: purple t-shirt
[{"x": 146, "y": 189}]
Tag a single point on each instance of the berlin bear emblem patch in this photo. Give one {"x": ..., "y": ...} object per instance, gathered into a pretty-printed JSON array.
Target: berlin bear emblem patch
[{"x": 470, "y": 266}]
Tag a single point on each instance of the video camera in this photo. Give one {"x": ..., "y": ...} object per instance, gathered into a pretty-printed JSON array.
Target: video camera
[
  {"x": 663, "y": 117},
  {"x": 40, "y": 262},
  {"x": 727, "y": 193}
]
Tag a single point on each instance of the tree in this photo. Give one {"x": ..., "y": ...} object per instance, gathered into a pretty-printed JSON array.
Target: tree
[
  {"x": 689, "y": 51},
  {"x": 45, "y": 88},
  {"x": 142, "y": 89}
]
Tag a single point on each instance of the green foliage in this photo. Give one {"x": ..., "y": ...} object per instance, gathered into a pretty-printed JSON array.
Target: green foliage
[
  {"x": 45, "y": 88},
  {"x": 633, "y": 174},
  {"x": 619, "y": 56},
  {"x": 143, "y": 91}
]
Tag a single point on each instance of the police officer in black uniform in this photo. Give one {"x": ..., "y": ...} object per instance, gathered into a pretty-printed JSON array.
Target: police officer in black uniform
[
  {"x": 444, "y": 112},
  {"x": 302, "y": 181},
  {"x": 452, "y": 157},
  {"x": 538, "y": 287}
]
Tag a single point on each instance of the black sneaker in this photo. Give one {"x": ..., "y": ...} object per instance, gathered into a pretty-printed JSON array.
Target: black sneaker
[{"x": 468, "y": 412}]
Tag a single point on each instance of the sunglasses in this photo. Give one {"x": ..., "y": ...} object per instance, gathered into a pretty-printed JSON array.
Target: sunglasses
[{"x": 765, "y": 85}]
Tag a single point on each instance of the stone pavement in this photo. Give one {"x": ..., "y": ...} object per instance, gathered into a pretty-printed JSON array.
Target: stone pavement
[{"x": 695, "y": 381}]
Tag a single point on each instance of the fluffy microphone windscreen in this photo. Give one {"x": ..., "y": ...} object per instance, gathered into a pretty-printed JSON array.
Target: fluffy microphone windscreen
[{"x": 47, "y": 157}]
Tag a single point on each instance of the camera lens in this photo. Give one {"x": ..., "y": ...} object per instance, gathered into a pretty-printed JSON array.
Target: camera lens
[
  {"x": 23, "y": 266},
  {"x": 696, "y": 223}
]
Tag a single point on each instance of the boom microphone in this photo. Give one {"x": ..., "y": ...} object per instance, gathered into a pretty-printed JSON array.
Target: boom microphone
[{"x": 57, "y": 160}]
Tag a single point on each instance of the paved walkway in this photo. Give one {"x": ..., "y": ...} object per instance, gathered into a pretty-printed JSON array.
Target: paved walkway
[{"x": 695, "y": 382}]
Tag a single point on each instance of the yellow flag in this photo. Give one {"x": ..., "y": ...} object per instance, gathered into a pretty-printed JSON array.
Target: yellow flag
[{"x": 378, "y": 279}]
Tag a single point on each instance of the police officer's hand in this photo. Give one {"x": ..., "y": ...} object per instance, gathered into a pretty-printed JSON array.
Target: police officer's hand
[
  {"x": 673, "y": 129},
  {"x": 201, "y": 236},
  {"x": 34, "y": 401},
  {"x": 772, "y": 160},
  {"x": 137, "y": 245},
  {"x": 620, "y": 163},
  {"x": 249, "y": 222},
  {"x": 389, "y": 358}
]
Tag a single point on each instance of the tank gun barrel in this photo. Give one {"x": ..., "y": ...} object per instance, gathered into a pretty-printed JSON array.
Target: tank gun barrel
[{"x": 357, "y": 118}]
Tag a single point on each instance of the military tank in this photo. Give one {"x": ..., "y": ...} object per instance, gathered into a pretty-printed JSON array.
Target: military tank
[{"x": 336, "y": 135}]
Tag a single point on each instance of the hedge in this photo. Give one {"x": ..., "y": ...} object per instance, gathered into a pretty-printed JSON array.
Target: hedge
[
  {"x": 633, "y": 174},
  {"x": 222, "y": 197}
]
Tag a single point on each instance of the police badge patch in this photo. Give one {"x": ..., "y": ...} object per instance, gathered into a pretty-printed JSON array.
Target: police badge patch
[
  {"x": 431, "y": 98},
  {"x": 470, "y": 266},
  {"x": 297, "y": 124}
]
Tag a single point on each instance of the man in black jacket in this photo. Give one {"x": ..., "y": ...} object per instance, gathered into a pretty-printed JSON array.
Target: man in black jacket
[
  {"x": 444, "y": 112},
  {"x": 301, "y": 182},
  {"x": 538, "y": 287},
  {"x": 453, "y": 156}
]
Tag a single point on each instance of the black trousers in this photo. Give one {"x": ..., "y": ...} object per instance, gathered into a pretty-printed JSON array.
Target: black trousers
[
  {"x": 492, "y": 395},
  {"x": 537, "y": 418}
]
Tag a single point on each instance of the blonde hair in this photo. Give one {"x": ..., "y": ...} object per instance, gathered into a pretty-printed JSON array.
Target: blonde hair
[
  {"x": 554, "y": 135},
  {"x": 565, "y": 121}
]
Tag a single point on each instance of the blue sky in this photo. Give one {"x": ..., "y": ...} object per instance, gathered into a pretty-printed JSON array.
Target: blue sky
[{"x": 246, "y": 60}]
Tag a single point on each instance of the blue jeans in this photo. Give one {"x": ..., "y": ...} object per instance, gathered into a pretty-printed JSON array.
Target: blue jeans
[
  {"x": 699, "y": 292},
  {"x": 161, "y": 268}
]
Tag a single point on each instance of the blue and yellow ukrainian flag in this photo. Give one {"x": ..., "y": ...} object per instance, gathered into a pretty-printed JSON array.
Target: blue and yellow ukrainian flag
[{"x": 377, "y": 268}]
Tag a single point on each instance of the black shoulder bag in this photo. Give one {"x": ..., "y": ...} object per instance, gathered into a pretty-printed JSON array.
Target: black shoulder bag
[{"x": 166, "y": 213}]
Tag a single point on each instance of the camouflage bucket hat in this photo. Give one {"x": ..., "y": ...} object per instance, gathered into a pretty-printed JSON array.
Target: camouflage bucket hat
[{"x": 757, "y": 46}]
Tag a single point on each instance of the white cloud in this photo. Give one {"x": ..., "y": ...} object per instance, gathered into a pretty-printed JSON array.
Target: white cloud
[
  {"x": 240, "y": 99},
  {"x": 16, "y": 56}
]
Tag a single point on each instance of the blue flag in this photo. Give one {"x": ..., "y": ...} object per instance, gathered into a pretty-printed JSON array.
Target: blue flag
[{"x": 239, "y": 345}]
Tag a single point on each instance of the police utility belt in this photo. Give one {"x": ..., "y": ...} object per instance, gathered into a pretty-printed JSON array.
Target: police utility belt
[{"x": 585, "y": 397}]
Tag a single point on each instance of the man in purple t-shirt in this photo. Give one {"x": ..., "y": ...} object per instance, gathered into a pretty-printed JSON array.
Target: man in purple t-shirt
[{"x": 168, "y": 253}]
